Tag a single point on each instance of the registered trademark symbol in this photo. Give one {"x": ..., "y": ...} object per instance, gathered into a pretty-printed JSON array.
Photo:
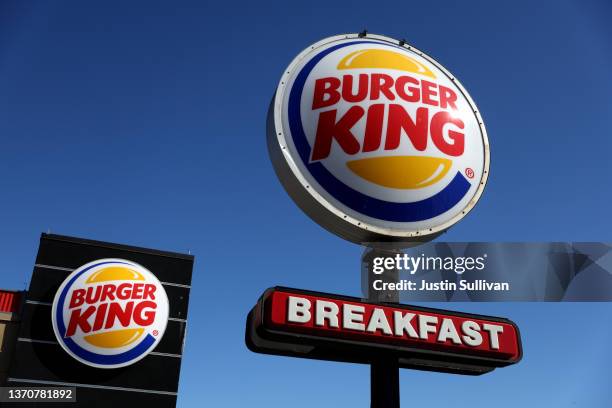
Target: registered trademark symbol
[
  {"x": 469, "y": 172},
  {"x": 155, "y": 332}
]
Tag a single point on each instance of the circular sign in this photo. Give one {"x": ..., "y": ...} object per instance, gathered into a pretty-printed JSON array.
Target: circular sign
[
  {"x": 376, "y": 141},
  {"x": 110, "y": 313}
]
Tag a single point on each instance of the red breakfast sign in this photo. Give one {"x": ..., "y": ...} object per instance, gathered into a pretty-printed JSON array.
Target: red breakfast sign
[{"x": 462, "y": 342}]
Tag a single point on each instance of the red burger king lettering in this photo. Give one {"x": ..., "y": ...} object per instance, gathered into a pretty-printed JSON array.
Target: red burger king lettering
[
  {"x": 329, "y": 91},
  {"x": 102, "y": 293},
  {"x": 100, "y": 303}
]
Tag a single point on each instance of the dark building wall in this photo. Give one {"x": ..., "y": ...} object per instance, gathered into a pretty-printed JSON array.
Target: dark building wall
[{"x": 39, "y": 359}]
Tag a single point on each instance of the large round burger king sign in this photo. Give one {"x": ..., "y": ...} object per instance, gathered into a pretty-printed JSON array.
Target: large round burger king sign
[
  {"x": 110, "y": 313},
  {"x": 376, "y": 141}
]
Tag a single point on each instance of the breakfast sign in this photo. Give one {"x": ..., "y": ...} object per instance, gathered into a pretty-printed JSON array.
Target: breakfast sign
[
  {"x": 319, "y": 325},
  {"x": 379, "y": 144}
]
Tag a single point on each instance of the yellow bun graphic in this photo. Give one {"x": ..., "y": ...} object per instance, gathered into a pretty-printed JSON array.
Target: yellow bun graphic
[
  {"x": 114, "y": 339},
  {"x": 384, "y": 59},
  {"x": 114, "y": 273},
  {"x": 402, "y": 172}
]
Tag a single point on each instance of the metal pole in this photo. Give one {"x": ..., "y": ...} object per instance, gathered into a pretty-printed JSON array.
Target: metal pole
[
  {"x": 384, "y": 384},
  {"x": 384, "y": 371}
]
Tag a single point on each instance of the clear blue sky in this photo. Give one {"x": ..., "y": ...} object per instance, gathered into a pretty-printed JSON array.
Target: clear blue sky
[{"x": 144, "y": 123}]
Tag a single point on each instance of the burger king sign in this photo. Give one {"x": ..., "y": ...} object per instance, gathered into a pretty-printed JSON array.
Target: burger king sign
[
  {"x": 110, "y": 313},
  {"x": 376, "y": 141}
]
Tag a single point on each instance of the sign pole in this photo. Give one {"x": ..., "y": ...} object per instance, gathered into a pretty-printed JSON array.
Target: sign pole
[
  {"x": 384, "y": 383},
  {"x": 384, "y": 371}
]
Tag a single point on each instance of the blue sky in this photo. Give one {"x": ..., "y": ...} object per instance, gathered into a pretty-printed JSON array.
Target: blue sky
[{"x": 144, "y": 123}]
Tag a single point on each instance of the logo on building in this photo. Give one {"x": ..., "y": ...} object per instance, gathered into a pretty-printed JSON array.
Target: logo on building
[
  {"x": 110, "y": 313},
  {"x": 376, "y": 140}
]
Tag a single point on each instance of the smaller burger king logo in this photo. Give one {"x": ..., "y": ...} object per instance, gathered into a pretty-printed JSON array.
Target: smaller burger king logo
[{"x": 110, "y": 313}]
